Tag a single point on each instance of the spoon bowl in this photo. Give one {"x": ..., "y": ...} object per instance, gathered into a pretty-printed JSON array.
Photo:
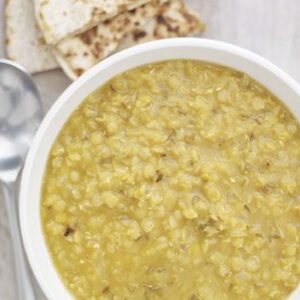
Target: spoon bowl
[{"x": 20, "y": 115}]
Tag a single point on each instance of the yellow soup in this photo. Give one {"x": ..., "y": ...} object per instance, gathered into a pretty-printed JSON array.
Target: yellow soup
[{"x": 176, "y": 180}]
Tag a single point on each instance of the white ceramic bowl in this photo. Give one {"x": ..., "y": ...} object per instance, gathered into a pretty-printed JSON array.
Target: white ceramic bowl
[{"x": 278, "y": 82}]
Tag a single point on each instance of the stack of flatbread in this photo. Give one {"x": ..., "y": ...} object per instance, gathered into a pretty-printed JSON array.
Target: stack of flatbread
[{"x": 76, "y": 34}]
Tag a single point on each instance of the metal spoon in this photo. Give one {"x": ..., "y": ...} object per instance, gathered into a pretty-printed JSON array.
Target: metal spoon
[{"x": 21, "y": 112}]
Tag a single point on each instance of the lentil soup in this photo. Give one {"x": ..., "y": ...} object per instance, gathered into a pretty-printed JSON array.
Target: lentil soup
[{"x": 176, "y": 180}]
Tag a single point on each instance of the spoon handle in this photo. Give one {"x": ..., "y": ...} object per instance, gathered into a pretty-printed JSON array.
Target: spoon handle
[{"x": 23, "y": 274}]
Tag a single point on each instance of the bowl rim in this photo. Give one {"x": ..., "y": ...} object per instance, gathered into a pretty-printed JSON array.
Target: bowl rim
[{"x": 31, "y": 161}]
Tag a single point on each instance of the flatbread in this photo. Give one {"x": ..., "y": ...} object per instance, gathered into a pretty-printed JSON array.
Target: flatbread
[
  {"x": 174, "y": 19},
  {"x": 158, "y": 19},
  {"x": 79, "y": 53},
  {"x": 24, "y": 41},
  {"x": 62, "y": 19}
]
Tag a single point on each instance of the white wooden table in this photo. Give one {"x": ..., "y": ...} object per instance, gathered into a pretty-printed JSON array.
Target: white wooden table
[{"x": 268, "y": 27}]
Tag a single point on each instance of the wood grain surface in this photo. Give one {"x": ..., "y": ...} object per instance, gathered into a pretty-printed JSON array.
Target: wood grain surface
[{"x": 268, "y": 27}]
